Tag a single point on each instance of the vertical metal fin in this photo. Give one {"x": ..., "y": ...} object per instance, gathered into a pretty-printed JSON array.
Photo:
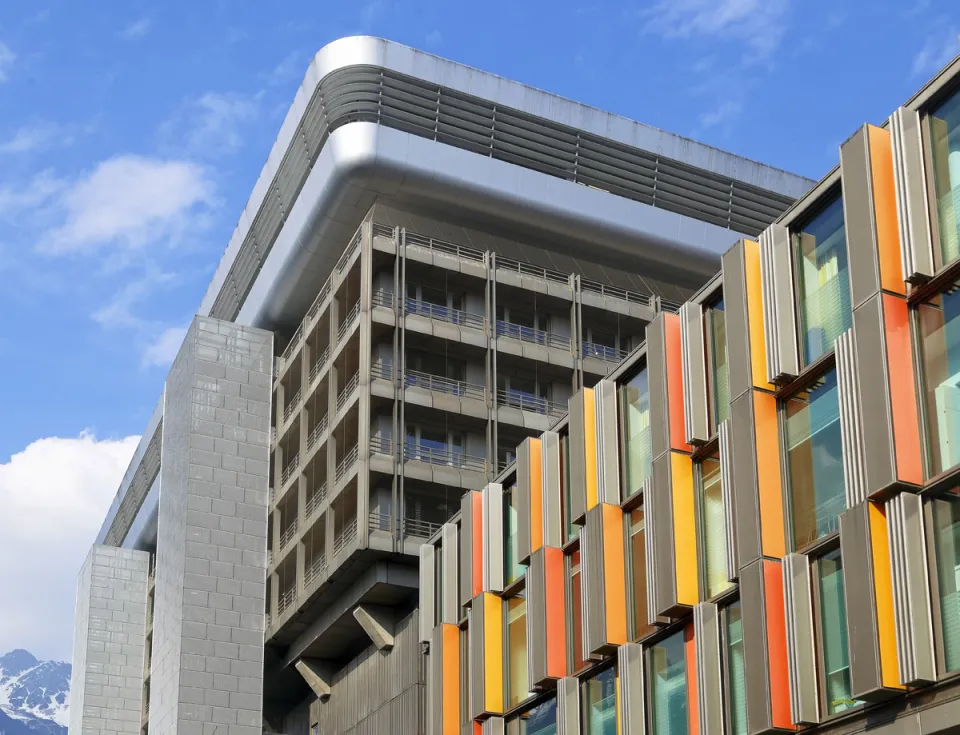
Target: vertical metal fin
[
  {"x": 427, "y": 592},
  {"x": 608, "y": 443},
  {"x": 694, "y": 361},
  {"x": 493, "y": 538},
  {"x": 649, "y": 551},
  {"x": 568, "y": 706},
  {"x": 630, "y": 671},
  {"x": 779, "y": 311},
  {"x": 851, "y": 428},
  {"x": 801, "y": 654},
  {"x": 706, "y": 637},
  {"x": 726, "y": 490},
  {"x": 552, "y": 498},
  {"x": 449, "y": 603},
  {"x": 913, "y": 209}
]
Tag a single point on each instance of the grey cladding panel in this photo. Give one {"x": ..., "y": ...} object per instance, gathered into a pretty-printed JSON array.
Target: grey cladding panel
[
  {"x": 910, "y": 184},
  {"x": 747, "y": 502},
  {"x": 736, "y": 320},
  {"x": 755, "y": 654},
  {"x": 858, "y": 217},
  {"x": 657, "y": 373}
]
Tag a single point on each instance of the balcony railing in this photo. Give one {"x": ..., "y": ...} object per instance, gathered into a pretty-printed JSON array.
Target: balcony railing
[
  {"x": 529, "y": 402},
  {"x": 313, "y": 502},
  {"x": 381, "y": 445},
  {"x": 287, "y": 599},
  {"x": 382, "y": 370},
  {"x": 528, "y": 269},
  {"x": 438, "y": 384},
  {"x": 316, "y": 431},
  {"x": 345, "y": 536},
  {"x": 447, "y": 248},
  {"x": 443, "y": 313},
  {"x": 534, "y": 336},
  {"x": 292, "y": 405},
  {"x": 347, "y": 391},
  {"x": 316, "y": 569},
  {"x": 610, "y": 354},
  {"x": 319, "y": 363},
  {"x": 382, "y": 231},
  {"x": 348, "y": 321},
  {"x": 615, "y": 292},
  {"x": 349, "y": 459},
  {"x": 420, "y": 529},
  {"x": 289, "y": 533},
  {"x": 420, "y": 452},
  {"x": 321, "y": 297},
  {"x": 290, "y": 469},
  {"x": 380, "y": 521},
  {"x": 382, "y": 298},
  {"x": 294, "y": 342},
  {"x": 351, "y": 249}
]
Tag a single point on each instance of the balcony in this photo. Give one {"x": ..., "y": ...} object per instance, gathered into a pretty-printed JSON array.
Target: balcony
[
  {"x": 287, "y": 599},
  {"x": 444, "y": 314},
  {"x": 382, "y": 298},
  {"x": 533, "y": 271},
  {"x": 295, "y": 341},
  {"x": 314, "y": 501},
  {"x": 433, "y": 454},
  {"x": 532, "y": 336},
  {"x": 319, "y": 363},
  {"x": 380, "y": 522},
  {"x": 347, "y": 463},
  {"x": 289, "y": 533},
  {"x": 351, "y": 249},
  {"x": 316, "y": 569},
  {"x": 529, "y": 402},
  {"x": 438, "y": 384},
  {"x": 347, "y": 391},
  {"x": 420, "y": 529},
  {"x": 348, "y": 321},
  {"x": 381, "y": 445},
  {"x": 345, "y": 536},
  {"x": 290, "y": 469},
  {"x": 292, "y": 405},
  {"x": 316, "y": 431},
  {"x": 602, "y": 352}
]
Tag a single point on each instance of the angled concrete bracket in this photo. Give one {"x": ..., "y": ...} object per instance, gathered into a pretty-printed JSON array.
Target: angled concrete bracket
[
  {"x": 378, "y": 623},
  {"x": 317, "y": 674}
]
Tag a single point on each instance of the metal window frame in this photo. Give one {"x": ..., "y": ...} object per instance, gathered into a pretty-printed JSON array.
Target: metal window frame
[{"x": 637, "y": 363}]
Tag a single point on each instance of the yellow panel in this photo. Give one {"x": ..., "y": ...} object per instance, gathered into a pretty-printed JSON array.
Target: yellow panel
[
  {"x": 590, "y": 442},
  {"x": 536, "y": 494},
  {"x": 450, "y": 705},
  {"x": 758, "y": 343},
  {"x": 684, "y": 528},
  {"x": 772, "y": 535},
  {"x": 493, "y": 652},
  {"x": 883, "y": 590},
  {"x": 614, "y": 574}
]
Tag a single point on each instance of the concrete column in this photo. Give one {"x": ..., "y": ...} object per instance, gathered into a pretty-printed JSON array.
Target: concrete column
[{"x": 212, "y": 531}]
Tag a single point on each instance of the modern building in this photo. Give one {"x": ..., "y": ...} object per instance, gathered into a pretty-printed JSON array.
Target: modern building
[
  {"x": 433, "y": 263},
  {"x": 752, "y": 524}
]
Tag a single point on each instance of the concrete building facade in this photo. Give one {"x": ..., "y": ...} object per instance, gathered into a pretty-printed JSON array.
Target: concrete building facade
[{"x": 433, "y": 263}]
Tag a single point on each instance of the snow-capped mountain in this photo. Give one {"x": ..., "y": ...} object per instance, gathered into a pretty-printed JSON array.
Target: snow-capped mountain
[{"x": 34, "y": 695}]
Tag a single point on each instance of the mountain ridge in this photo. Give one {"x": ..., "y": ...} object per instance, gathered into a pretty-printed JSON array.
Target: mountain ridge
[{"x": 34, "y": 695}]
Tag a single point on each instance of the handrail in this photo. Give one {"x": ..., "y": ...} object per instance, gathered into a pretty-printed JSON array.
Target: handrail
[
  {"x": 444, "y": 313},
  {"x": 420, "y": 529},
  {"x": 441, "y": 246},
  {"x": 289, "y": 533},
  {"x": 382, "y": 230},
  {"x": 528, "y": 269},
  {"x": 381, "y": 445},
  {"x": 382, "y": 370},
  {"x": 293, "y": 343},
  {"x": 286, "y": 599},
  {"x": 439, "y": 384},
  {"x": 417, "y": 451},
  {"x": 313, "y": 502},
  {"x": 529, "y": 402},
  {"x": 292, "y": 405},
  {"x": 348, "y": 390},
  {"x": 604, "y": 289},
  {"x": 610, "y": 354},
  {"x": 347, "y": 533},
  {"x": 348, "y": 320},
  {"x": 290, "y": 468},
  {"x": 382, "y": 298},
  {"x": 349, "y": 459},
  {"x": 315, "y": 569},
  {"x": 321, "y": 296},
  {"x": 351, "y": 249},
  {"x": 379, "y": 521},
  {"x": 320, "y": 362},
  {"x": 529, "y": 334},
  {"x": 316, "y": 431}
]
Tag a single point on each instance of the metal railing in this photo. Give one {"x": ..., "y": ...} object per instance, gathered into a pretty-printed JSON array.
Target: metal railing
[
  {"x": 346, "y": 535},
  {"x": 266, "y": 621},
  {"x": 291, "y": 406},
  {"x": 348, "y": 390},
  {"x": 420, "y": 529},
  {"x": 382, "y": 230},
  {"x": 382, "y": 370},
  {"x": 319, "y": 363},
  {"x": 289, "y": 533},
  {"x": 286, "y": 599},
  {"x": 610, "y": 354},
  {"x": 380, "y": 521},
  {"x": 313, "y": 502},
  {"x": 351, "y": 249},
  {"x": 529, "y": 402},
  {"x": 441, "y": 246},
  {"x": 616, "y": 292},
  {"x": 528, "y": 269},
  {"x": 269, "y": 558},
  {"x": 349, "y": 459},
  {"x": 417, "y": 451},
  {"x": 444, "y": 313},
  {"x": 293, "y": 343},
  {"x": 381, "y": 445},
  {"x": 439, "y": 384},
  {"x": 529, "y": 334},
  {"x": 348, "y": 321},
  {"x": 315, "y": 569},
  {"x": 291, "y": 467},
  {"x": 316, "y": 431},
  {"x": 382, "y": 298},
  {"x": 321, "y": 296}
]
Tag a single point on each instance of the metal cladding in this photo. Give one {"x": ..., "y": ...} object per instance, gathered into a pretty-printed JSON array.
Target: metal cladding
[
  {"x": 706, "y": 627},
  {"x": 779, "y": 309},
  {"x": 546, "y": 617},
  {"x": 694, "y": 360},
  {"x": 801, "y": 644},
  {"x": 851, "y": 428},
  {"x": 471, "y": 547},
  {"x": 492, "y": 524},
  {"x": 913, "y": 208},
  {"x": 449, "y": 602},
  {"x": 603, "y": 573},
  {"x": 486, "y": 656},
  {"x": 568, "y": 706},
  {"x": 443, "y": 683},
  {"x": 427, "y": 592},
  {"x": 630, "y": 670},
  {"x": 607, "y": 440},
  {"x": 551, "y": 485},
  {"x": 583, "y": 453},
  {"x": 529, "y": 493},
  {"x": 726, "y": 487}
]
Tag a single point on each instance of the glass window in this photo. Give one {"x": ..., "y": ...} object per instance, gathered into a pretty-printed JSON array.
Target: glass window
[
  {"x": 736, "y": 680},
  {"x": 512, "y": 568},
  {"x": 638, "y": 574},
  {"x": 713, "y": 537},
  {"x": 946, "y": 539},
  {"x": 833, "y": 624},
  {"x": 815, "y": 461},
  {"x": 598, "y": 697},
  {"x": 576, "y": 619},
  {"x": 636, "y": 450},
  {"x": 517, "y": 687},
  {"x": 668, "y": 686},
  {"x": 823, "y": 282},
  {"x": 540, "y": 720},
  {"x": 717, "y": 356},
  {"x": 570, "y": 529},
  {"x": 939, "y": 324},
  {"x": 944, "y": 129}
]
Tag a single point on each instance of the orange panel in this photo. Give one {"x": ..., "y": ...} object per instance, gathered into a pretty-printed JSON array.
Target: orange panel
[
  {"x": 690, "y": 655},
  {"x": 590, "y": 445},
  {"x": 768, "y": 474},
  {"x": 476, "y": 560},
  {"x": 758, "y": 341},
  {"x": 451, "y": 680},
  {"x": 883, "y": 591},
  {"x": 885, "y": 211},
  {"x": 536, "y": 495},
  {"x": 674, "y": 347},
  {"x": 684, "y": 528},
  {"x": 777, "y": 645},
  {"x": 556, "y": 613},
  {"x": 903, "y": 397},
  {"x": 492, "y": 653},
  {"x": 614, "y": 574}
]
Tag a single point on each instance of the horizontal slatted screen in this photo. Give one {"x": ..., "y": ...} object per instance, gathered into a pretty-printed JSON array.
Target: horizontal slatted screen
[{"x": 373, "y": 94}]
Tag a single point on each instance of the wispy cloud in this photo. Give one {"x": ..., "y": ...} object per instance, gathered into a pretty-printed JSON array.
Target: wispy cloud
[
  {"x": 36, "y": 136},
  {"x": 161, "y": 351},
  {"x": 373, "y": 11},
  {"x": 722, "y": 115},
  {"x": 293, "y": 66},
  {"x": 31, "y": 195},
  {"x": 137, "y": 29},
  {"x": 7, "y": 57},
  {"x": 936, "y": 52},
  {"x": 210, "y": 125}
]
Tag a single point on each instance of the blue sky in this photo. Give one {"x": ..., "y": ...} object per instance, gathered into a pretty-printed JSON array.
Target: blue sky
[{"x": 131, "y": 134}]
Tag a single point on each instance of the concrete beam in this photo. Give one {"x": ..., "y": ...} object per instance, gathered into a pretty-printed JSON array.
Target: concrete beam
[
  {"x": 378, "y": 623},
  {"x": 317, "y": 674}
]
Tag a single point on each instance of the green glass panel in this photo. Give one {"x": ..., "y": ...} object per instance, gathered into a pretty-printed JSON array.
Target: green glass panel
[
  {"x": 541, "y": 720},
  {"x": 570, "y": 529},
  {"x": 719, "y": 374},
  {"x": 944, "y": 129},
  {"x": 823, "y": 281},
  {"x": 946, "y": 528},
  {"x": 712, "y": 533},
  {"x": 512, "y": 568},
  {"x": 668, "y": 686},
  {"x": 833, "y": 621},
  {"x": 736, "y": 686},
  {"x": 815, "y": 461},
  {"x": 636, "y": 449},
  {"x": 599, "y": 703},
  {"x": 939, "y": 323}
]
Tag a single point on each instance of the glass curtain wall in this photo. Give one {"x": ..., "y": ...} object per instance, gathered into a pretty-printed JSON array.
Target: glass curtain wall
[
  {"x": 512, "y": 568},
  {"x": 517, "y": 685},
  {"x": 717, "y": 355},
  {"x": 938, "y": 322},
  {"x": 599, "y": 703},
  {"x": 944, "y": 130},
  {"x": 540, "y": 720},
  {"x": 636, "y": 452},
  {"x": 712, "y": 534},
  {"x": 946, "y": 539},
  {"x": 668, "y": 686},
  {"x": 833, "y": 623},
  {"x": 736, "y": 679},
  {"x": 638, "y": 574}
]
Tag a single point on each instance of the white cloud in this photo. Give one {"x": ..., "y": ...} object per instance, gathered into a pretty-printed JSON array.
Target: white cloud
[
  {"x": 137, "y": 29},
  {"x": 164, "y": 348},
  {"x": 130, "y": 202},
  {"x": 34, "y": 137},
  {"x": 34, "y": 194},
  {"x": 722, "y": 115},
  {"x": 936, "y": 52},
  {"x": 7, "y": 57},
  {"x": 212, "y": 124},
  {"x": 760, "y": 24},
  {"x": 54, "y": 495},
  {"x": 293, "y": 66}
]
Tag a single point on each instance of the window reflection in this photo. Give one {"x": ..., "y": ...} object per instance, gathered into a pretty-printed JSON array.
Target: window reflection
[
  {"x": 540, "y": 720},
  {"x": 946, "y": 538},
  {"x": 599, "y": 703},
  {"x": 712, "y": 533},
  {"x": 833, "y": 624},
  {"x": 736, "y": 684},
  {"x": 636, "y": 450},
  {"x": 944, "y": 130},
  {"x": 512, "y": 568},
  {"x": 638, "y": 574},
  {"x": 576, "y": 606},
  {"x": 717, "y": 357},
  {"x": 939, "y": 325},
  {"x": 668, "y": 686},
  {"x": 518, "y": 687}
]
